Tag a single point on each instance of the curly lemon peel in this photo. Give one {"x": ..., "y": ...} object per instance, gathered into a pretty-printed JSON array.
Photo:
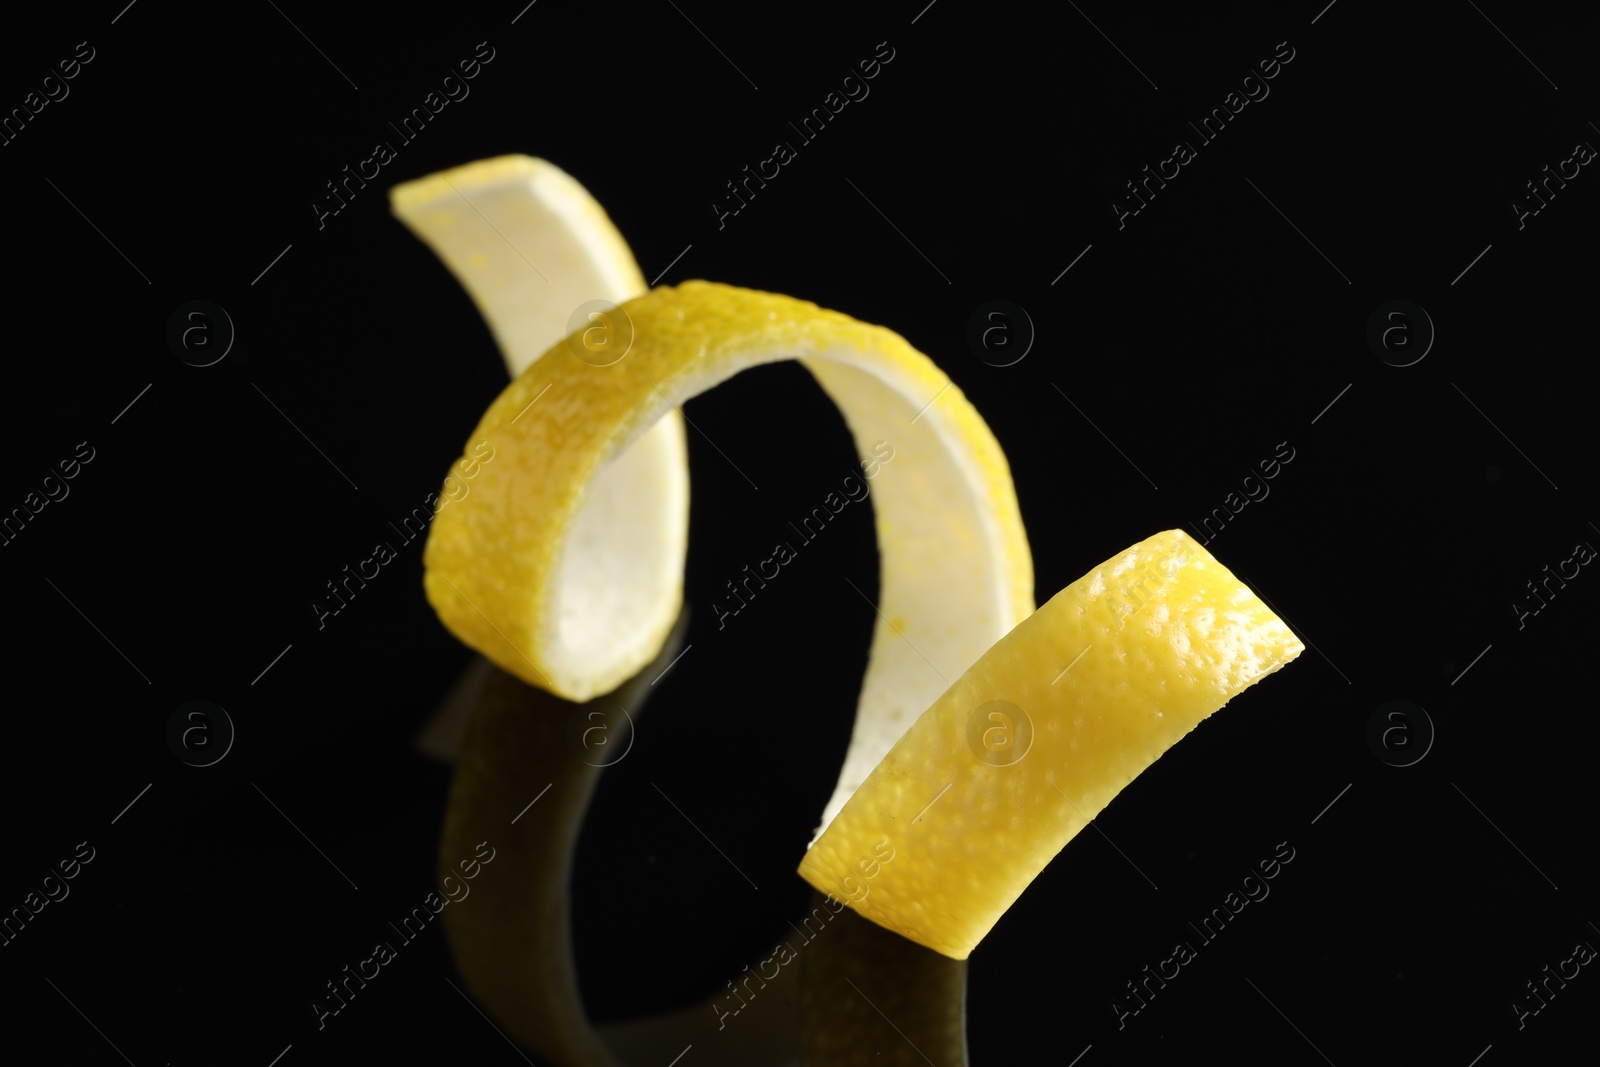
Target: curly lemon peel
[{"x": 564, "y": 564}]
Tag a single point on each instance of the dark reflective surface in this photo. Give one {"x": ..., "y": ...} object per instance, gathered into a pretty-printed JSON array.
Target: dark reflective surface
[
  {"x": 822, "y": 994},
  {"x": 1401, "y": 542}
]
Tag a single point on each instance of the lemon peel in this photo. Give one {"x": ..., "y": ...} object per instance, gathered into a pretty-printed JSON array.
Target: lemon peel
[
  {"x": 532, "y": 248},
  {"x": 1089, "y": 691},
  {"x": 565, "y": 564}
]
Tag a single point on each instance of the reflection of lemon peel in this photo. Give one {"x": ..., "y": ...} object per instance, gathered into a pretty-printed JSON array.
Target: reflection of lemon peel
[
  {"x": 854, "y": 972},
  {"x": 524, "y": 779},
  {"x": 1170, "y": 636}
]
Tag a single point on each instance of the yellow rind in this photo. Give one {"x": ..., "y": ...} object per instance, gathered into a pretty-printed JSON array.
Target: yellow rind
[
  {"x": 956, "y": 571},
  {"x": 686, "y": 340},
  {"x": 534, "y": 250},
  {"x": 1166, "y": 636}
]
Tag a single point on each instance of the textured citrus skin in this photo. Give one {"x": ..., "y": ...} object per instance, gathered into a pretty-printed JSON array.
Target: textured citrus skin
[
  {"x": 946, "y": 510},
  {"x": 534, "y": 250},
  {"x": 1166, "y": 635}
]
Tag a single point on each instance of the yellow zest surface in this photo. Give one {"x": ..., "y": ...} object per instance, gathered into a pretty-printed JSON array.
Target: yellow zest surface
[
  {"x": 1089, "y": 691},
  {"x": 569, "y": 582}
]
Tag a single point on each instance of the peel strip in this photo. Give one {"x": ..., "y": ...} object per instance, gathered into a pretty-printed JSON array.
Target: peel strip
[
  {"x": 584, "y": 510},
  {"x": 1153, "y": 641}
]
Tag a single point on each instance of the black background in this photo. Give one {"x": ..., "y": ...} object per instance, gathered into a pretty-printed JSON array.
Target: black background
[{"x": 1196, "y": 338}]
